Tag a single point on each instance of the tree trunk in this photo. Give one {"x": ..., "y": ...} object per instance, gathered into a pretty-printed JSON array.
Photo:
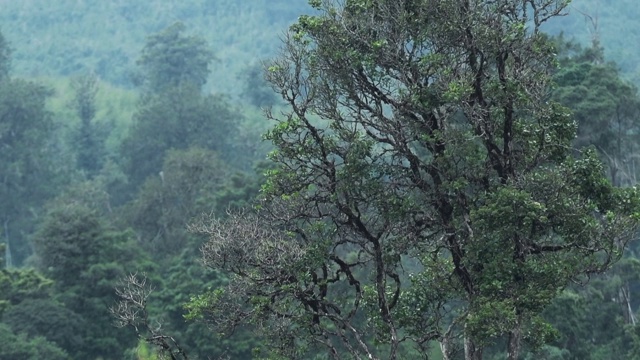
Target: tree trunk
[
  {"x": 471, "y": 352},
  {"x": 444, "y": 348},
  {"x": 445, "y": 352},
  {"x": 515, "y": 340}
]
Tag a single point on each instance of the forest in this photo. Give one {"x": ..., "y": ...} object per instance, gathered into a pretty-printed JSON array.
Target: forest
[{"x": 358, "y": 179}]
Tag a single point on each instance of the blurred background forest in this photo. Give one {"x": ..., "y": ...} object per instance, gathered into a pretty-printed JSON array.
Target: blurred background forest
[{"x": 123, "y": 121}]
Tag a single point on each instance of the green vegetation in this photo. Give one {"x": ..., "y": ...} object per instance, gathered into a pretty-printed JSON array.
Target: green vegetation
[
  {"x": 438, "y": 180},
  {"x": 612, "y": 24},
  {"x": 436, "y": 198},
  {"x": 69, "y": 37},
  {"x": 101, "y": 182}
]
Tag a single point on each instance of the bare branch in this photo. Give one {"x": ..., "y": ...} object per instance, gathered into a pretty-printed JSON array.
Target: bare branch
[{"x": 131, "y": 310}]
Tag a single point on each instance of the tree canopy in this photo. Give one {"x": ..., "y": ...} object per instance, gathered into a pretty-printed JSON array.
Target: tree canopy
[
  {"x": 171, "y": 59},
  {"x": 605, "y": 107},
  {"x": 425, "y": 188}
]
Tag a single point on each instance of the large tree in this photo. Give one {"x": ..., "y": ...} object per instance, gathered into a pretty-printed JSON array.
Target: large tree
[
  {"x": 425, "y": 189},
  {"x": 26, "y": 177},
  {"x": 173, "y": 112},
  {"x": 84, "y": 255},
  {"x": 89, "y": 137},
  {"x": 171, "y": 59}
]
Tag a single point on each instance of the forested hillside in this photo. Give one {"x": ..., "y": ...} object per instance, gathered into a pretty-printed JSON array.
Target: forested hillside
[
  {"x": 65, "y": 37},
  {"x": 613, "y": 23},
  {"x": 271, "y": 179}
]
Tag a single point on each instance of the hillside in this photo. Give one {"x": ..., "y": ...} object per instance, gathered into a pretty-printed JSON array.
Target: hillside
[
  {"x": 60, "y": 38},
  {"x": 615, "y": 25}
]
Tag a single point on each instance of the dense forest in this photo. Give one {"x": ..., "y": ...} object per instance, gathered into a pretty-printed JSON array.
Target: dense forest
[{"x": 212, "y": 179}]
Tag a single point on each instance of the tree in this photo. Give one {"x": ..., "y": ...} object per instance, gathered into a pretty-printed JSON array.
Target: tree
[
  {"x": 85, "y": 257},
  {"x": 425, "y": 190},
  {"x": 185, "y": 187},
  {"x": 25, "y": 133},
  {"x": 131, "y": 311},
  {"x": 89, "y": 138},
  {"x": 19, "y": 347},
  {"x": 28, "y": 158},
  {"x": 171, "y": 59},
  {"x": 255, "y": 89},
  {"x": 173, "y": 113}
]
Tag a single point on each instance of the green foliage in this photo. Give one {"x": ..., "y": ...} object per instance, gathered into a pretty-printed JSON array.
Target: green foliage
[
  {"x": 85, "y": 258},
  {"x": 89, "y": 138},
  {"x": 170, "y": 59},
  {"x": 424, "y": 135},
  {"x": 19, "y": 285},
  {"x": 48, "y": 319},
  {"x": 25, "y": 157},
  {"x": 605, "y": 106},
  {"x": 68, "y": 242},
  {"x": 19, "y": 347},
  {"x": 176, "y": 119},
  {"x": 185, "y": 187}
]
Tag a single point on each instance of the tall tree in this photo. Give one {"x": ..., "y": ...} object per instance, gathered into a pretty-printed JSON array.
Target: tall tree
[
  {"x": 173, "y": 113},
  {"x": 25, "y": 179},
  {"x": 424, "y": 183},
  {"x": 29, "y": 159},
  {"x": 89, "y": 137},
  {"x": 170, "y": 59}
]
